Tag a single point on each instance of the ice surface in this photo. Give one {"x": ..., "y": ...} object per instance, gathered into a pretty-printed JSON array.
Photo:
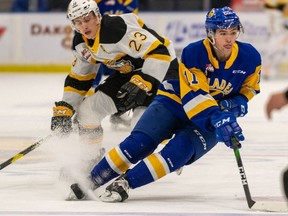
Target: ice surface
[{"x": 211, "y": 186}]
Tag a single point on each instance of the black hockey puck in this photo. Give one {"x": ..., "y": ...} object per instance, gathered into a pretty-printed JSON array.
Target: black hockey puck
[{"x": 77, "y": 191}]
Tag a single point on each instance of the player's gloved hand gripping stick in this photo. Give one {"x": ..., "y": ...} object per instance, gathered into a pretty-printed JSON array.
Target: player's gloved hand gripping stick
[
  {"x": 226, "y": 127},
  {"x": 229, "y": 132},
  {"x": 61, "y": 123}
]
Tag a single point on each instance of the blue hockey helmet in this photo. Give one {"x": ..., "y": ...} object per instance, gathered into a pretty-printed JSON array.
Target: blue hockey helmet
[{"x": 222, "y": 18}]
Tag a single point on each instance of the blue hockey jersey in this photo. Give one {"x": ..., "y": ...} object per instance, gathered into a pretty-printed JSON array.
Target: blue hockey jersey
[
  {"x": 117, "y": 6},
  {"x": 204, "y": 81}
]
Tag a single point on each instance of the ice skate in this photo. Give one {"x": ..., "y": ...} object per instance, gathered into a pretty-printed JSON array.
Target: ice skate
[
  {"x": 179, "y": 171},
  {"x": 117, "y": 191},
  {"x": 77, "y": 192}
]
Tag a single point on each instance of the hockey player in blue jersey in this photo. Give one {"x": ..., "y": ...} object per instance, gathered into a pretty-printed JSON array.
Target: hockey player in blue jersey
[
  {"x": 117, "y": 6},
  {"x": 218, "y": 76}
]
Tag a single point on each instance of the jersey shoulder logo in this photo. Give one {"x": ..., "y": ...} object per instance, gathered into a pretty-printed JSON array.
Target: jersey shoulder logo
[
  {"x": 86, "y": 54},
  {"x": 209, "y": 68}
]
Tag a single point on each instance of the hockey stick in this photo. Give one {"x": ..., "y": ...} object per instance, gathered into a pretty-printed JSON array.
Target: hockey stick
[
  {"x": 257, "y": 206},
  {"x": 24, "y": 152}
]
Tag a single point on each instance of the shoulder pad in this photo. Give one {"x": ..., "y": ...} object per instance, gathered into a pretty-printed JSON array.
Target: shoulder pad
[{"x": 113, "y": 28}]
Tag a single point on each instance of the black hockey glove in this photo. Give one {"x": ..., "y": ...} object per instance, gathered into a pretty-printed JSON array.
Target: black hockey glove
[
  {"x": 133, "y": 93},
  {"x": 61, "y": 122}
]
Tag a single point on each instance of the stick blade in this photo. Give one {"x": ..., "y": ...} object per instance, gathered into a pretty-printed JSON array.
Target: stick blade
[{"x": 270, "y": 206}]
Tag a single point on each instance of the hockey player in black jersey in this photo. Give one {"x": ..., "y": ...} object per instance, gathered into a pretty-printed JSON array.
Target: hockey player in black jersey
[
  {"x": 114, "y": 7},
  {"x": 140, "y": 57}
]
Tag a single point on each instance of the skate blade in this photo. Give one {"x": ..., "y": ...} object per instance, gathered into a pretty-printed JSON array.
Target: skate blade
[
  {"x": 179, "y": 171},
  {"x": 110, "y": 197}
]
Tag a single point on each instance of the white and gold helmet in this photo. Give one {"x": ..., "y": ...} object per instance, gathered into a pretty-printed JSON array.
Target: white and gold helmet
[{"x": 78, "y": 8}]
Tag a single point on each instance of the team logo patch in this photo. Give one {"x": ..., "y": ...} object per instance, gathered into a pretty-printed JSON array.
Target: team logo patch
[
  {"x": 211, "y": 13},
  {"x": 209, "y": 68},
  {"x": 75, "y": 4},
  {"x": 86, "y": 54}
]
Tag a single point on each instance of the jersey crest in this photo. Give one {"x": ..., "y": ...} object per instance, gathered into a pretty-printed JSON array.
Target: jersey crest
[{"x": 124, "y": 66}]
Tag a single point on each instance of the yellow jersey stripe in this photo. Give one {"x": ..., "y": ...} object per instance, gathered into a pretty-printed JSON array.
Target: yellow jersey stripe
[
  {"x": 193, "y": 110},
  {"x": 71, "y": 89},
  {"x": 160, "y": 57},
  {"x": 82, "y": 78},
  {"x": 127, "y": 2},
  {"x": 156, "y": 165},
  {"x": 211, "y": 57},
  {"x": 248, "y": 92},
  {"x": 140, "y": 22},
  {"x": 233, "y": 56},
  {"x": 117, "y": 160},
  {"x": 169, "y": 95},
  {"x": 166, "y": 42},
  {"x": 152, "y": 47}
]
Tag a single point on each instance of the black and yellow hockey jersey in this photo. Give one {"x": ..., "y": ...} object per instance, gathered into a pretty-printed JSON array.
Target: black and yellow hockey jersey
[{"x": 123, "y": 43}]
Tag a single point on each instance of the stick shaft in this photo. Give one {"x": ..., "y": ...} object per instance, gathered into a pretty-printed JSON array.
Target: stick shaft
[
  {"x": 244, "y": 180},
  {"x": 24, "y": 152}
]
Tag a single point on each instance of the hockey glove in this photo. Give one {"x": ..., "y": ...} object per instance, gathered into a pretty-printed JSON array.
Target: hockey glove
[
  {"x": 61, "y": 122},
  {"x": 133, "y": 93},
  {"x": 226, "y": 128},
  {"x": 237, "y": 105}
]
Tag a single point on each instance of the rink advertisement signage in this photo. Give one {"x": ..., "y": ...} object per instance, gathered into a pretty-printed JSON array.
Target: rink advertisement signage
[
  {"x": 39, "y": 30},
  {"x": 45, "y": 38},
  {"x": 37, "y": 39},
  {"x": 7, "y": 38},
  {"x": 51, "y": 34},
  {"x": 184, "y": 28}
]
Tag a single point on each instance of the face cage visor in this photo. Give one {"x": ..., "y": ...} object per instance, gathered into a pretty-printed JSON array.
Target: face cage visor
[
  {"x": 211, "y": 32},
  {"x": 85, "y": 18}
]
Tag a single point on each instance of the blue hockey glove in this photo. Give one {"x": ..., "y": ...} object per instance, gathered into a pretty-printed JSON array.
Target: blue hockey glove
[
  {"x": 227, "y": 128},
  {"x": 237, "y": 105}
]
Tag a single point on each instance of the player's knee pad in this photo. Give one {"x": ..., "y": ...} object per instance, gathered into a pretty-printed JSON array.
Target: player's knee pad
[
  {"x": 95, "y": 108},
  {"x": 178, "y": 151},
  {"x": 137, "y": 146}
]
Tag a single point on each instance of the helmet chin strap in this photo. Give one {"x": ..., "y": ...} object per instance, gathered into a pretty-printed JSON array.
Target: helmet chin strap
[
  {"x": 211, "y": 39},
  {"x": 99, "y": 18}
]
